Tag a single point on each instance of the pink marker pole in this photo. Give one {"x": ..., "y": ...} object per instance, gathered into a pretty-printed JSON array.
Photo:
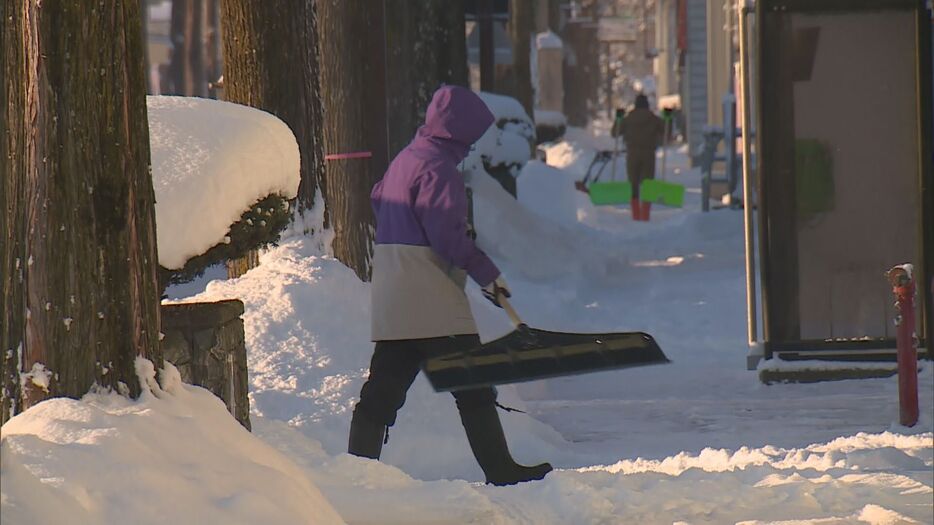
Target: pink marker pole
[
  {"x": 346, "y": 156},
  {"x": 903, "y": 286}
]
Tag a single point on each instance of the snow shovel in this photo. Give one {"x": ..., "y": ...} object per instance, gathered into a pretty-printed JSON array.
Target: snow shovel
[
  {"x": 605, "y": 193},
  {"x": 662, "y": 191},
  {"x": 527, "y": 354}
]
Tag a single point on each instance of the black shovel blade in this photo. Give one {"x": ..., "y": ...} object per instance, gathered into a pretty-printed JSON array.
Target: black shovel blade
[{"x": 528, "y": 354}]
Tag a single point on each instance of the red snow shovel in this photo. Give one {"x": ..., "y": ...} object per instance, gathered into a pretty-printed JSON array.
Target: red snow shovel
[{"x": 527, "y": 354}]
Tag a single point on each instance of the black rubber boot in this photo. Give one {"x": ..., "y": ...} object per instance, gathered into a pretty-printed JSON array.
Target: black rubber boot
[
  {"x": 366, "y": 436},
  {"x": 485, "y": 434}
]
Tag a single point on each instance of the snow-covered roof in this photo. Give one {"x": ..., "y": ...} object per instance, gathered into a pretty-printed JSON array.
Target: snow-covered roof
[{"x": 211, "y": 161}]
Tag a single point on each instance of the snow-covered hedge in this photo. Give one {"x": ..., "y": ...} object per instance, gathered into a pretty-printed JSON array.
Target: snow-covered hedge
[
  {"x": 222, "y": 173},
  {"x": 507, "y": 145}
]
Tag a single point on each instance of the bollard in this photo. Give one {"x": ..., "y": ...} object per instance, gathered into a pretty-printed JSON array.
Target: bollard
[{"x": 903, "y": 287}]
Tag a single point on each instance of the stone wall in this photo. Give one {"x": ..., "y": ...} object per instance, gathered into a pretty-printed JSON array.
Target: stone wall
[{"x": 205, "y": 342}]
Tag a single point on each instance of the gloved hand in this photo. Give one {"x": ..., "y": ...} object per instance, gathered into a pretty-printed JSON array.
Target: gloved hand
[{"x": 495, "y": 289}]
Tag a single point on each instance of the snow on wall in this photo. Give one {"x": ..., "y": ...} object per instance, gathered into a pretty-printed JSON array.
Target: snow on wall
[
  {"x": 211, "y": 160},
  {"x": 174, "y": 456}
]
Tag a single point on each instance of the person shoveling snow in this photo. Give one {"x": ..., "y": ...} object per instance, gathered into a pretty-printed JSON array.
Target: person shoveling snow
[{"x": 422, "y": 257}]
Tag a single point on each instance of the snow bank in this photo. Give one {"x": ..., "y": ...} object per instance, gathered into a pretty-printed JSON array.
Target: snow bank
[
  {"x": 307, "y": 327},
  {"x": 550, "y": 118},
  {"x": 211, "y": 161},
  {"x": 549, "y": 193},
  {"x": 174, "y": 456},
  {"x": 533, "y": 242}
]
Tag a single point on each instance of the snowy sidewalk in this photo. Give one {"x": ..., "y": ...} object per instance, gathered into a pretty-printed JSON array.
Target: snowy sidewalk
[{"x": 720, "y": 447}]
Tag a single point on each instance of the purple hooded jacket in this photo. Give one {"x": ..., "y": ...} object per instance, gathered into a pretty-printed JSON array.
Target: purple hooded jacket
[
  {"x": 423, "y": 253},
  {"x": 421, "y": 201}
]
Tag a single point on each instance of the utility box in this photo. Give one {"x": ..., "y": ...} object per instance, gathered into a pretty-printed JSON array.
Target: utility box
[{"x": 844, "y": 173}]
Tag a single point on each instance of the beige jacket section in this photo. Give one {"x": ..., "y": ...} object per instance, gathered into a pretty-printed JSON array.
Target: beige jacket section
[{"x": 416, "y": 295}]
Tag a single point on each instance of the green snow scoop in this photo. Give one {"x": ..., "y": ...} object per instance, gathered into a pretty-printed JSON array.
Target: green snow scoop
[
  {"x": 661, "y": 192},
  {"x": 613, "y": 192},
  {"x": 527, "y": 354}
]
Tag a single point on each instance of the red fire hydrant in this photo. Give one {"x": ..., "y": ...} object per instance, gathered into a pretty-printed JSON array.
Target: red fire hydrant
[{"x": 903, "y": 286}]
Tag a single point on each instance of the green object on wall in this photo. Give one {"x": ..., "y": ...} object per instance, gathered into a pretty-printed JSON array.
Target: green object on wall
[
  {"x": 662, "y": 192},
  {"x": 602, "y": 193},
  {"x": 814, "y": 184}
]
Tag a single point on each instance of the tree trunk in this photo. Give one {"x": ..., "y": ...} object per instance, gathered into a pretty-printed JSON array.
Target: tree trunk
[
  {"x": 554, "y": 15},
  {"x": 353, "y": 80},
  {"x": 582, "y": 75},
  {"x": 176, "y": 76},
  {"x": 212, "y": 43},
  {"x": 196, "y": 84},
  {"x": 82, "y": 217},
  {"x": 13, "y": 201},
  {"x": 426, "y": 48},
  {"x": 186, "y": 68},
  {"x": 521, "y": 22},
  {"x": 486, "y": 45},
  {"x": 271, "y": 63},
  {"x": 144, "y": 16}
]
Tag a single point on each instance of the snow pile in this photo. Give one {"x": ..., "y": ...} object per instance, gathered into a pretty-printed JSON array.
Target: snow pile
[
  {"x": 211, "y": 161},
  {"x": 307, "y": 327},
  {"x": 575, "y": 151},
  {"x": 307, "y": 324},
  {"x": 538, "y": 242},
  {"x": 174, "y": 456},
  {"x": 546, "y": 191},
  {"x": 545, "y": 117},
  {"x": 548, "y": 40}
]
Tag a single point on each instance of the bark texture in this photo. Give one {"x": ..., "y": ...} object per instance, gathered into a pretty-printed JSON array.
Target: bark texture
[
  {"x": 353, "y": 80},
  {"x": 426, "y": 48},
  {"x": 271, "y": 63},
  {"x": 13, "y": 200},
  {"x": 212, "y": 45},
  {"x": 81, "y": 302},
  {"x": 186, "y": 69},
  {"x": 521, "y": 24},
  {"x": 581, "y": 70}
]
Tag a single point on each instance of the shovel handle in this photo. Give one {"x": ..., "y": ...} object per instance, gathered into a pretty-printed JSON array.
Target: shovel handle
[{"x": 513, "y": 316}]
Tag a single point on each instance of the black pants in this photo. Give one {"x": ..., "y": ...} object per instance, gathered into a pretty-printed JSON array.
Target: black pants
[
  {"x": 640, "y": 166},
  {"x": 393, "y": 369}
]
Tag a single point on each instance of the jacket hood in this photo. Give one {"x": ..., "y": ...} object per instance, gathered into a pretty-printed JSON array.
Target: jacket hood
[{"x": 456, "y": 114}]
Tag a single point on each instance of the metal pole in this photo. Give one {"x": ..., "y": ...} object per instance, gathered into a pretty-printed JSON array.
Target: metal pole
[
  {"x": 609, "y": 83},
  {"x": 903, "y": 286},
  {"x": 751, "y": 313}
]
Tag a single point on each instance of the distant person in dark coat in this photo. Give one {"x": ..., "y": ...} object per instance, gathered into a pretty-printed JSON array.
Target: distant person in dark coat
[
  {"x": 422, "y": 258},
  {"x": 643, "y": 132}
]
